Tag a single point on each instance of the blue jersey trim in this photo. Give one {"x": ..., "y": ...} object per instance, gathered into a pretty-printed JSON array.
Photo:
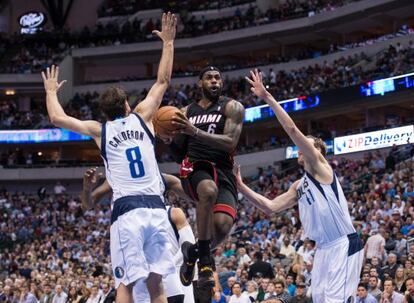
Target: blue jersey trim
[
  {"x": 335, "y": 187},
  {"x": 128, "y": 203},
  {"x": 317, "y": 184},
  {"x": 103, "y": 142},
  {"x": 145, "y": 127},
  {"x": 355, "y": 244},
  {"x": 177, "y": 235}
]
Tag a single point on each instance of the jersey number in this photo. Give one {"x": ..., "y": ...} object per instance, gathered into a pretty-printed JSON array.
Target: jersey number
[
  {"x": 136, "y": 166},
  {"x": 211, "y": 128}
]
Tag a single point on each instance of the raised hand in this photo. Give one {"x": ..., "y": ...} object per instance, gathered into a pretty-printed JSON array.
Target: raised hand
[
  {"x": 238, "y": 175},
  {"x": 91, "y": 178},
  {"x": 257, "y": 84},
  {"x": 168, "y": 27},
  {"x": 50, "y": 79}
]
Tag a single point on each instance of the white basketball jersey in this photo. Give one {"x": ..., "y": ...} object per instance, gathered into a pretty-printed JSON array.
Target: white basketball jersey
[
  {"x": 323, "y": 210},
  {"x": 128, "y": 151},
  {"x": 173, "y": 237}
]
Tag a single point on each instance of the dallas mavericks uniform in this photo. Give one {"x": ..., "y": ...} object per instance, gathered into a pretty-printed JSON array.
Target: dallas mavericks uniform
[
  {"x": 324, "y": 214},
  {"x": 172, "y": 283},
  {"x": 139, "y": 220}
]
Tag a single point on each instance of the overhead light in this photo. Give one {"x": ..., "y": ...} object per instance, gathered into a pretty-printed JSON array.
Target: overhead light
[
  {"x": 39, "y": 154},
  {"x": 10, "y": 92}
]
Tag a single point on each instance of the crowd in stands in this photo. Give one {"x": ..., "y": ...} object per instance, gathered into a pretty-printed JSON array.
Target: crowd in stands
[
  {"x": 50, "y": 248},
  {"x": 31, "y": 53},
  {"x": 128, "y": 7},
  {"x": 343, "y": 72}
]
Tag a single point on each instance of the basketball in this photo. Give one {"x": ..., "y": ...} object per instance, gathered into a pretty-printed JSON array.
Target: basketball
[{"x": 163, "y": 121}]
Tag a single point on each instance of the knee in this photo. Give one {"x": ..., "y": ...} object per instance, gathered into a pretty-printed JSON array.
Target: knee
[{"x": 207, "y": 192}]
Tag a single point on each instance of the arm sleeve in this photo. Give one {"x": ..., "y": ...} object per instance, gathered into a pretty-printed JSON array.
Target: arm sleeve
[{"x": 186, "y": 234}]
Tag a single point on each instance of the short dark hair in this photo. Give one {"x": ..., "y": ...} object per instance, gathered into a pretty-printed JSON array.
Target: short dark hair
[
  {"x": 409, "y": 278},
  {"x": 318, "y": 144},
  {"x": 391, "y": 280},
  {"x": 363, "y": 285},
  {"x": 258, "y": 255},
  {"x": 236, "y": 283},
  {"x": 112, "y": 102},
  {"x": 280, "y": 282}
]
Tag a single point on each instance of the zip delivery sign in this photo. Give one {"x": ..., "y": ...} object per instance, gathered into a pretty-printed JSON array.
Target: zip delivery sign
[{"x": 374, "y": 140}]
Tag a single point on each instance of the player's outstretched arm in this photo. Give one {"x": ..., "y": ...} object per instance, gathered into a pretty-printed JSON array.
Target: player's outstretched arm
[
  {"x": 280, "y": 203},
  {"x": 304, "y": 144},
  {"x": 56, "y": 113},
  {"x": 149, "y": 106},
  {"x": 90, "y": 195},
  {"x": 229, "y": 139}
]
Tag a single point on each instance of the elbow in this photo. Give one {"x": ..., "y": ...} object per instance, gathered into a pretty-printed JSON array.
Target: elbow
[
  {"x": 164, "y": 81},
  {"x": 56, "y": 120}
]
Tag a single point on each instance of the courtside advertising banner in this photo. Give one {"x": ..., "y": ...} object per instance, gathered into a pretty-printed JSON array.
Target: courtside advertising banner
[{"x": 374, "y": 140}]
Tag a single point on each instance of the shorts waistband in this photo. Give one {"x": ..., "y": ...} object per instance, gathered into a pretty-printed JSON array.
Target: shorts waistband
[
  {"x": 348, "y": 237},
  {"x": 127, "y": 203}
]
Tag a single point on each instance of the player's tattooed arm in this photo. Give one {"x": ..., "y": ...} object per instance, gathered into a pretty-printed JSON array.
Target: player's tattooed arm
[
  {"x": 56, "y": 113},
  {"x": 280, "y": 203},
  {"x": 229, "y": 139},
  {"x": 149, "y": 106}
]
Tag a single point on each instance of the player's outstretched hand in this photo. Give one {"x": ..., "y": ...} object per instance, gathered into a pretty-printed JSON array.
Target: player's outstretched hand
[
  {"x": 91, "y": 178},
  {"x": 50, "y": 79},
  {"x": 257, "y": 84},
  {"x": 184, "y": 125},
  {"x": 168, "y": 27},
  {"x": 238, "y": 175}
]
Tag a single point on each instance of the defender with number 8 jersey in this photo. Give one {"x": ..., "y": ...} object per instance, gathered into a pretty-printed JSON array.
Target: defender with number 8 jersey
[{"x": 139, "y": 221}]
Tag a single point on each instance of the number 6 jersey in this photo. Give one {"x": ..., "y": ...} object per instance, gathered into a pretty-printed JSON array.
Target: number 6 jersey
[
  {"x": 211, "y": 120},
  {"x": 128, "y": 150}
]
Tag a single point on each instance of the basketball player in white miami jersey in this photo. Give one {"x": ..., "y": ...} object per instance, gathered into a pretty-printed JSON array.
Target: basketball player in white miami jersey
[
  {"x": 178, "y": 232},
  {"x": 323, "y": 211},
  {"x": 140, "y": 253}
]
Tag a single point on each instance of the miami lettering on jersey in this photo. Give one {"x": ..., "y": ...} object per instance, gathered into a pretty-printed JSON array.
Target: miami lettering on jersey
[
  {"x": 208, "y": 118},
  {"x": 126, "y": 135}
]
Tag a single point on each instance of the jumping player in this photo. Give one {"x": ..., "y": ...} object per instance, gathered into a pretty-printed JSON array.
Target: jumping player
[
  {"x": 140, "y": 253},
  {"x": 323, "y": 211},
  {"x": 212, "y": 127},
  {"x": 178, "y": 232}
]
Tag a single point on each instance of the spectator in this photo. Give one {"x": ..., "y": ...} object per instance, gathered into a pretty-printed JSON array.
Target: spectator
[
  {"x": 264, "y": 268},
  {"x": 300, "y": 296},
  {"x": 73, "y": 295},
  {"x": 280, "y": 292},
  {"x": 238, "y": 296},
  {"x": 243, "y": 258},
  {"x": 374, "y": 289},
  {"x": 94, "y": 296},
  {"x": 108, "y": 294},
  {"x": 218, "y": 297},
  {"x": 390, "y": 295},
  {"x": 59, "y": 188},
  {"x": 227, "y": 291},
  {"x": 363, "y": 295},
  {"x": 391, "y": 266},
  {"x": 291, "y": 288},
  {"x": 48, "y": 295},
  {"x": 252, "y": 290},
  {"x": 26, "y": 296},
  {"x": 375, "y": 246},
  {"x": 287, "y": 249},
  {"x": 60, "y": 296},
  {"x": 409, "y": 284}
]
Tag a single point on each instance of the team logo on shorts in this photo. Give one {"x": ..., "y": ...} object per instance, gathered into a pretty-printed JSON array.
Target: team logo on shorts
[
  {"x": 119, "y": 272},
  {"x": 350, "y": 300}
]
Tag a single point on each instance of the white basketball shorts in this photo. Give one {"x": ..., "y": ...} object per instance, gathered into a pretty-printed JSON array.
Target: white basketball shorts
[
  {"x": 139, "y": 244},
  {"x": 336, "y": 270}
]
